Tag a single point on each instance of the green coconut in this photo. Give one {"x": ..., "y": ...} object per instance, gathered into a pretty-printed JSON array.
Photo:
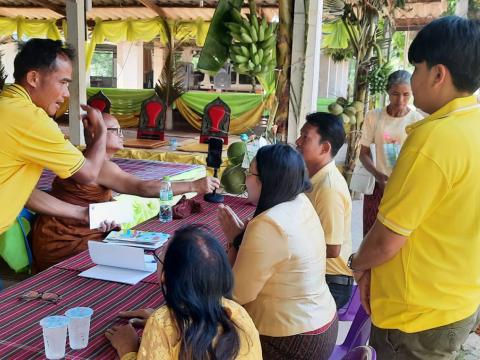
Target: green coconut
[
  {"x": 350, "y": 111},
  {"x": 236, "y": 152},
  {"x": 342, "y": 101},
  {"x": 358, "y": 105},
  {"x": 345, "y": 118},
  {"x": 335, "y": 109},
  {"x": 233, "y": 179}
]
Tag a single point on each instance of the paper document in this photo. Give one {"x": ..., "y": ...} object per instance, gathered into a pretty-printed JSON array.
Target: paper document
[
  {"x": 109, "y": 211},
  {"x": 119, "y": 263}
]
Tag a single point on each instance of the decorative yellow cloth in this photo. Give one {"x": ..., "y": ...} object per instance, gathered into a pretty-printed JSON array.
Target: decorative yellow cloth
[
  {"x": 160, "y": 338},
  {"x": 30, "y": 27},
  {"x": 197, "y": 147}
]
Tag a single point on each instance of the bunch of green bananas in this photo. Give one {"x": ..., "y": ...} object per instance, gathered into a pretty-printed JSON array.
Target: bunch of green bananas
[
  {"x": 377, "y": 79},
  {"x": 253, "y": 46}
]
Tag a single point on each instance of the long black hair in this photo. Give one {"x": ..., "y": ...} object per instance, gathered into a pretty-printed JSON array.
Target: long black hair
[
  {"x": 283, "y": 175},
  {"x": 197, "y": 277}
]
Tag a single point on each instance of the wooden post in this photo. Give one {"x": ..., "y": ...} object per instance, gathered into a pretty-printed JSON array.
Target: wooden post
[
  {"x": 307, "y": 33},
  {"x": 78, "y": 91}
]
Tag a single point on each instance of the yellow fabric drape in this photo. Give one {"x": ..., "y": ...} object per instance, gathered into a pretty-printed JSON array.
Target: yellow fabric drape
[
  {"x": 238, "y": 125},
  {"x": 29, "y": 27},
  {"x": 142, "y": 30}
]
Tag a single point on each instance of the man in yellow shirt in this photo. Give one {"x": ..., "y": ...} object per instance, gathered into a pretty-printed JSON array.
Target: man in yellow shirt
[
  {"x": 418, "y": 268},
  {"x": 320, "y": 139},
  {"x": 31, "y": 141}
]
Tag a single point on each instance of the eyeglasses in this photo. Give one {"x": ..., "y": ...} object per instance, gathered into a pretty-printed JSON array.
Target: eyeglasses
[
  {"x": 157, "y": 254},
  {"x": 37, "y": 295},
  {"x": 248, "y": 173},
  {"x": 117, "y": 131}
]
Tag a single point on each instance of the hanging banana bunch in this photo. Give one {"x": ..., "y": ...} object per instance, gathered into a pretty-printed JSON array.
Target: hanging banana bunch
[{"x": 253, "y": 45}]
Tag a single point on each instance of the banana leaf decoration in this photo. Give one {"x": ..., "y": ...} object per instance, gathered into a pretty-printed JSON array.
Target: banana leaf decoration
[{"x": 215, "y": 51}]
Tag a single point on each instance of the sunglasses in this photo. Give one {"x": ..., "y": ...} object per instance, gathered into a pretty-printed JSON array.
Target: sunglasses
[
  {"x": 117, "y": 131},
  {"x": 37, "y": 295}
]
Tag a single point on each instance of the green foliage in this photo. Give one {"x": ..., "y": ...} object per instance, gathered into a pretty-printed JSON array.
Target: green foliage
[
  {"x": 215, "y": 50},
  {"x": 170, "y": 85},
  {"x": 102, "y": 64}
]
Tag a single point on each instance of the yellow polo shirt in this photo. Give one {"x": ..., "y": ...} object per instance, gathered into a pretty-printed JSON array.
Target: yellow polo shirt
[
  {"x": 332, "y": 202},
  {"x": 433, "y": 198},
  {"x": 29, "y": 141}
]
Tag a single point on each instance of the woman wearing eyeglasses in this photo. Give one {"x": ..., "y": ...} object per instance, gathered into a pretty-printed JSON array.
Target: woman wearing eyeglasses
[
  {"x": 279, "y": 259},
  {"x": 198, "y": 321}
]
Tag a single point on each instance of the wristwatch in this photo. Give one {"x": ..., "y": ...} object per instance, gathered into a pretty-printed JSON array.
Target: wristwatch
[{"x": 349, "y": 262}]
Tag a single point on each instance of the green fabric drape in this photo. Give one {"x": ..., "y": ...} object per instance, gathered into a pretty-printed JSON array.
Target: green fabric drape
[
  {"x": 239, "y": 102},
  {"x": 124, "y": 101}
]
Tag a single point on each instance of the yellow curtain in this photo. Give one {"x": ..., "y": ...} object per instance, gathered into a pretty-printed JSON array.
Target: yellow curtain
[
  {"x": 29, "y": 27},
  {"x": 238, "y": 125},
  {"x": 142, "y": 30}
]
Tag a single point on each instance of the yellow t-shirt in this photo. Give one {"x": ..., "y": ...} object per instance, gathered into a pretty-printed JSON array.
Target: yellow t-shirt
[
  {"x": 332, "y": 202},
  {"x": 280, "y": 270},
  {"x": 160, "y": 340},
  {"x": 30, "y": 141},
  {"x": 433, "y": 198}
]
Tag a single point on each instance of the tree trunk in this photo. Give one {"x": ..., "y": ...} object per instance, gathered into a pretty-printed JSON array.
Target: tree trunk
[{"x": 284, "y": 59}]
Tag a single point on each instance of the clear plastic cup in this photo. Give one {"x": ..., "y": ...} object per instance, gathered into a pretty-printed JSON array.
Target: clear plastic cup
[
  {"x": 54, "y": 336},
  {"x": 173, "y": 144},
  {"x": 78, "y": 326}
]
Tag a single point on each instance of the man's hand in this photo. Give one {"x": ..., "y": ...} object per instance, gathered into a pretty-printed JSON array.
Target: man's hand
[
  {"x": 93, "y": 121},
  {"x": 137, "y": 318},
  {"x": 124, "y": 339},
  {"x": 381, "y": 179},
  {"x": 205, "y": 185},
  {"x": 363, "y": 279},
  {"x": 107, "y": 226}
]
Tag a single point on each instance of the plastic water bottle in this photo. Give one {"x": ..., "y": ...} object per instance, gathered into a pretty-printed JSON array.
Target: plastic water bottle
[{"x": 166, "y": 198}]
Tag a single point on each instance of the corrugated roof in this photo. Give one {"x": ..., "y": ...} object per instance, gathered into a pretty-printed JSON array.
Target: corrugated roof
[{"x": 123, "y": 9}]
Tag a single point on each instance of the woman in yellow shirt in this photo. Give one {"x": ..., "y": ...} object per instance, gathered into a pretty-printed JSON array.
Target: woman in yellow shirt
[
  {"x": 279, "y": 267},
  {"x": 198, "y": 321}
]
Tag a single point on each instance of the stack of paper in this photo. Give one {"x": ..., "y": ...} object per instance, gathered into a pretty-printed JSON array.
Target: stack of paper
[
  {"x": 119, "y": 263},
  {"x": 144, "y": 239}
]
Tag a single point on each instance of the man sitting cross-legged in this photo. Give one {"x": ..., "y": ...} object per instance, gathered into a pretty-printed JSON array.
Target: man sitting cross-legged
[{"x": 56, "y": 238}]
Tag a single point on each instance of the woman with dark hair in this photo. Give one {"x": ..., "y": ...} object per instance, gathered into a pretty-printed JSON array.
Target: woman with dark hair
[
  {"x": 386, "y": 129},
  {"x": 198, "y": 321},
  {"x": 279, "y": 259}
]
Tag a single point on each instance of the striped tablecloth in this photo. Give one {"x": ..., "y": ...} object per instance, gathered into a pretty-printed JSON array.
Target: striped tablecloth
[
  {"x": 144, "y": 169},
  {"x": 20, "y": 332}
]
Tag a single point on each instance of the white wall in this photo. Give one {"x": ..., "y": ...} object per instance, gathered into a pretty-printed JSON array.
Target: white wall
[
  {"x": 9, "y": 51},
  {"x": 333, "y": 80},
  {"x": 130, "y": 65}
]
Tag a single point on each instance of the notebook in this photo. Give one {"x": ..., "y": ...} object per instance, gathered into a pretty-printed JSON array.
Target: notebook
[{"x": 119, "y": 263}]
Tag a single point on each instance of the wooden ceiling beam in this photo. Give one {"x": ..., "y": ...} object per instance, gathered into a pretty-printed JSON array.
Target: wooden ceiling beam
[{"x": 46, "y": 4}]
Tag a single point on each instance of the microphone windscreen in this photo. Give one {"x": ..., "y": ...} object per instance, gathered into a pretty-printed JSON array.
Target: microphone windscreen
[{"x": 214, "y": 157}]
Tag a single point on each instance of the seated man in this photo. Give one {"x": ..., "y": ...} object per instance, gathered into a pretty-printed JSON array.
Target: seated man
[{"x": 56, "y": 238}]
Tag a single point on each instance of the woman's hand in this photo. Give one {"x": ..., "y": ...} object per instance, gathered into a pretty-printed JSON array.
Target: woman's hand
[
  {"x": 381, "y": 179},
  {"x": 123, "y": 338},
  {"x": 137, "y": 318},
  {"x": 231, "y": 224}
]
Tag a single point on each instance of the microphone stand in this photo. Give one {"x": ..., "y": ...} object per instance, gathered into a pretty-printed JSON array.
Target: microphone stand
[{"x": 214, "y": 197}]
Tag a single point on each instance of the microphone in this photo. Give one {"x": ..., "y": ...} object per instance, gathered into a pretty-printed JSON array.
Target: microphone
[{"x": 214, "y": 160}]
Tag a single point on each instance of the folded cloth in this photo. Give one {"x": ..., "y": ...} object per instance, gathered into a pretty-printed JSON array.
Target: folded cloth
[{"x": 185, "y": 207}]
